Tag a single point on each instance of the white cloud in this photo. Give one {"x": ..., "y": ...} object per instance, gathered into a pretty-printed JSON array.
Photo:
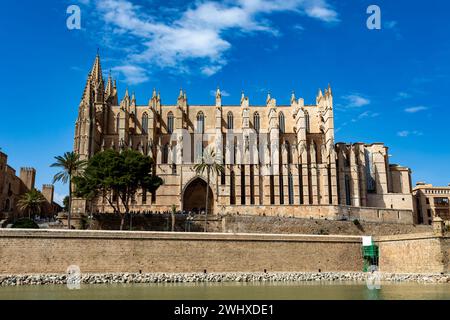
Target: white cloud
[
  {"x": 402, "y": 96},
  {"x": 198, "y": 31},
  {"x": 321, "y": 12},
  {"x": 366, "y": 114},
  {"x": 59, "y": 198},
  {"x": 356, "y": 101},
  {"x": 406, "y": 133},
  {"x": 132, "y": 74},
  {"x": 299, "y": 28},
  {"x": 390, "y": 24},
  {"x": 415, "y": 109},
  {"x": 222, "y": 92}
]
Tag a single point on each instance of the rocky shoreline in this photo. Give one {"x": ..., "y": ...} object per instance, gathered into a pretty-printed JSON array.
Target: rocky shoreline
[{"x": 135, "y": 278}]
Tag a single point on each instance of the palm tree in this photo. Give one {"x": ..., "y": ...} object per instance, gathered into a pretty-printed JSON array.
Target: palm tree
[
  {"x": 32, "y": 202},
  {"x": 70, "y": 164},
  {"x": 209, "y": 164}
]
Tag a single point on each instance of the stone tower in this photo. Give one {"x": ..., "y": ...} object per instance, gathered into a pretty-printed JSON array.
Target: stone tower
[
  {"x": 93, "y": 112},
  {"x": 28, "y": 176}
]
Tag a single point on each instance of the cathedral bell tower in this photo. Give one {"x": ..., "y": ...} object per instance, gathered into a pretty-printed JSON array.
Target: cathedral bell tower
[{"x": 93, "y": 111}]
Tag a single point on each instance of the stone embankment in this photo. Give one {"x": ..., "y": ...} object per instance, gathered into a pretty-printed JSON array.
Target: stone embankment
[{"x": 20, "y": 280}]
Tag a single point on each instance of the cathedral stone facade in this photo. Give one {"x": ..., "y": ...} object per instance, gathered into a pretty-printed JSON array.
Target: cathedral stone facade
[{"x": 274, "y": 156}]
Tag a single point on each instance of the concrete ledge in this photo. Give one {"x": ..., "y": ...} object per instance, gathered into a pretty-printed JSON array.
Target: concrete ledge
[
  {"x": 189, "y": 236},
  {"x": 403, "y": 237}
]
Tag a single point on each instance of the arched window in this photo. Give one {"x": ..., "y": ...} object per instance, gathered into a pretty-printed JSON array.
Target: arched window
[
  {"x": 8, "y": 205},
  {"x": 145, "y": 123},
  {"x": 307, "y": 122},
  {"x": 230, "y": 121},
  {"x": 170, "y": 123},
  {"x": 165, "y": 155},
  {"x": 200, "y": 122},
  {"x": 256, "y": 122},
  {"x": 282, "y": 122}
]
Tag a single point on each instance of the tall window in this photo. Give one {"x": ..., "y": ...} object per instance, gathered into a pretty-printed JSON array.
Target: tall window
[
  {"x": 7, "y": 205},
  {"x": 289, "y": 153},
  {"x": 117, "y": 123},
  {"x": 307, "y": 122},
  {"x": 348, "y": 200},
  {"x": 291, "y": 189},
  {"x": 232, "y": 188},
  {"x": 230, "y": 121},
  {"x": 282, "y": 122},
  {"x": 170, "y": 123},
  {"x": 200, "y": 122},
  {"x": 243, "y": 195},
  {"x": 256, "y": 122},
  {"x": 370, "y": 175},
  {"x": 252, "y": 184},
  {"x": 165, "y": 153},
  {"x": 272, "y": 190},
  {"x": 198, "y": 151},
  {"x": 145, "y": 123},
  {"x": 281, "y": 188}
]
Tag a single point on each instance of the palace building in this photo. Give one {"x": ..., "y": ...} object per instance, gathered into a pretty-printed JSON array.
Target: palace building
[
  {"x": 12, "y": 187},
  {"x": 431, "y": 202},
  {"x": 278, "y": 159}
]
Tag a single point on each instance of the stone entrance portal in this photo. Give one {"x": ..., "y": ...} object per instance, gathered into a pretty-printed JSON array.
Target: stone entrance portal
[{"x": 194, "y": 197}]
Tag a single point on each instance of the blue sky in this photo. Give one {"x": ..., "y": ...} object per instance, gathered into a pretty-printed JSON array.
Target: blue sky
[{"x": 390, "y": 85}]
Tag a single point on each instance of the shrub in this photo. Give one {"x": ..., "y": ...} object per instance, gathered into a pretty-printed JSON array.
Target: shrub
[{"x": 25, "y": 224}]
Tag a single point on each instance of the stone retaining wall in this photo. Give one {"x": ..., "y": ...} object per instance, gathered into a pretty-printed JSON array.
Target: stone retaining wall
[
  {"x": 329, "y": 212},
  {"x": 52, "y": 251},
  {"x": 418, "y": 253}
]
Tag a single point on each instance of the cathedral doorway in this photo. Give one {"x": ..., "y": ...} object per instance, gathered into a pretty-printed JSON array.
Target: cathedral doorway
[{"x": 194, "y": 197}]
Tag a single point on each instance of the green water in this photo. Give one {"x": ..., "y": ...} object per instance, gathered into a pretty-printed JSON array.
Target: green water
[{"x": 233, "y": 291}]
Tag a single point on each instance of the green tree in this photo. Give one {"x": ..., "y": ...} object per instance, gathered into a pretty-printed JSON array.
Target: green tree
[
  {"x": 70, "y": 165},
  {"x": 209, "y": 164},
  {"x": 31, "y": 202},
  {"x": 66, "y": 203},
  {"x": 25, "y": 224},
  {"x": 117, "y": 177}
]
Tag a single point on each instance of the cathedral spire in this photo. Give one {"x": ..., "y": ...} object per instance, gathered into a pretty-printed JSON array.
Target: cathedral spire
[
  {"x": 293, "y": 98},
  {"x": 218, "y": 98},
  {"x": 109, "y": 86},
  {"x": 87, "y": 91},
  {"x": 96, "y": 72}
]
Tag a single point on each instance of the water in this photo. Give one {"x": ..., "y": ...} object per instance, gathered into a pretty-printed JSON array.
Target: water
[{"x": 232, "y": 291}]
